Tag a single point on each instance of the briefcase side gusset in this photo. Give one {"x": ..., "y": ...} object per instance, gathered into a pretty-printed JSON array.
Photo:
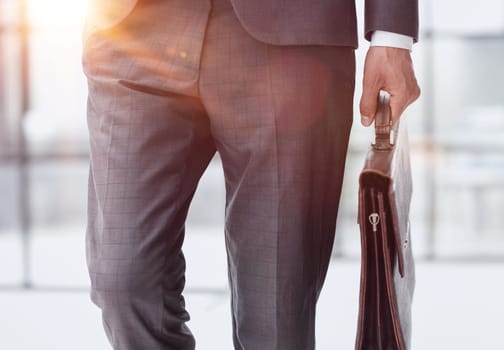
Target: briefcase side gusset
[{"x": 393, "y": 169}]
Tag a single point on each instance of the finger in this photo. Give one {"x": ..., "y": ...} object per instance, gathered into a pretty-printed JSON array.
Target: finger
[{"x": 368, "y": 103}]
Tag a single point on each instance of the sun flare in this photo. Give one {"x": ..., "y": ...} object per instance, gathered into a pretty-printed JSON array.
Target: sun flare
[{"x": 57, "y": 13}]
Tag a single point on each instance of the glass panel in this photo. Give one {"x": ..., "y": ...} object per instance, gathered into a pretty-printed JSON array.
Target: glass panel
[
  {"x": 58, "y": 198},
  {"x": 10, "y": 242},
  {"x": 56, "y": 122},
  {"x": 9, "y": 12},
  {"x": 10, "y": 99},
  {"x": 464, "y": 17},
  {"x": 56, "y": 133},
  {"x": 56, "y": 14},
  {"x": 10, "y": 93},
  {"x": 469, "y": 110}
]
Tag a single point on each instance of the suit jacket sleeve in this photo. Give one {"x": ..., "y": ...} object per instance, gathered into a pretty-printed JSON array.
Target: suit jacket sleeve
[{"x": 397, "y": 16}]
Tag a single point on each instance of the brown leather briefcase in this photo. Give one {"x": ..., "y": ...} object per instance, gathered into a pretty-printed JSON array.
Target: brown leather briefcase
[{"x": 387, "y": 267}]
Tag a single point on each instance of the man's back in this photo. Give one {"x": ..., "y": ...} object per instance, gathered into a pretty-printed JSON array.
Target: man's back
[{"x": 292, "y": 22}]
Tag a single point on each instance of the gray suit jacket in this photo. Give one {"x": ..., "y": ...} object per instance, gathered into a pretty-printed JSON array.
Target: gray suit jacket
[{"x": 293, "y": 22}]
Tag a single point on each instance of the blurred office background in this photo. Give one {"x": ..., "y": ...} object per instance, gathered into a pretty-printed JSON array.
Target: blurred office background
[{"x": 457, "y": 139}]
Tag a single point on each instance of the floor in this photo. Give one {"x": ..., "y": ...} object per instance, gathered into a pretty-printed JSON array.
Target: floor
[{"x": 456, "y": 305}]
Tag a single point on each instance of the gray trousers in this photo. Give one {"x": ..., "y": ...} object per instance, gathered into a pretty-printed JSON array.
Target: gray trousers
[{"x": 170, "y": 85}]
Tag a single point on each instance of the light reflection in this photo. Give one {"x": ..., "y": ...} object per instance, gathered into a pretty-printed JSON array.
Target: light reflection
[{"x": 56, "y": 13}]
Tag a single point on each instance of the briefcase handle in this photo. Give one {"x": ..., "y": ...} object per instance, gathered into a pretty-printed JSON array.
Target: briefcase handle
[{"x": 385, "y": 132}]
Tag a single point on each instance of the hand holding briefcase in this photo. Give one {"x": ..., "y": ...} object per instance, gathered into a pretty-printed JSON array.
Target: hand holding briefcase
[{"x": 387, "y": 266}]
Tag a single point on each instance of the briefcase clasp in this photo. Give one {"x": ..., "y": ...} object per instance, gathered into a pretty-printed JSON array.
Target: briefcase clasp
[{"x": 374, "y": 219}]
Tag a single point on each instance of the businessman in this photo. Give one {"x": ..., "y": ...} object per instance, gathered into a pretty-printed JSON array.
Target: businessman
[{"x": 269, "y": 85}]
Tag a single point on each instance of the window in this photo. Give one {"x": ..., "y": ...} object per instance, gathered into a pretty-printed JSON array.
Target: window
[{"x": 456, "y": 133}]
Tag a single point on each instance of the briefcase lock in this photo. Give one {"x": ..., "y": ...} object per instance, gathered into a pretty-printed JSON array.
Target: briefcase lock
[{"x": 374, "y": 219}]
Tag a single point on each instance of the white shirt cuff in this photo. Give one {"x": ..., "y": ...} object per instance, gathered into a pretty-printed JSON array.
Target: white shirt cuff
[{"x": 383, "y": 38}]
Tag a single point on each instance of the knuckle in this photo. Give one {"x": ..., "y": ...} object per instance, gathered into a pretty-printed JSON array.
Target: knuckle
[
  {"x": 400, "y": 104},
  {"x": 416, "y": 91}
]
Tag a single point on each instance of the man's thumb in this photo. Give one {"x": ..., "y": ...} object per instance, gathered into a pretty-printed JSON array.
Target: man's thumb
[{"x": 368, "y": 105}]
